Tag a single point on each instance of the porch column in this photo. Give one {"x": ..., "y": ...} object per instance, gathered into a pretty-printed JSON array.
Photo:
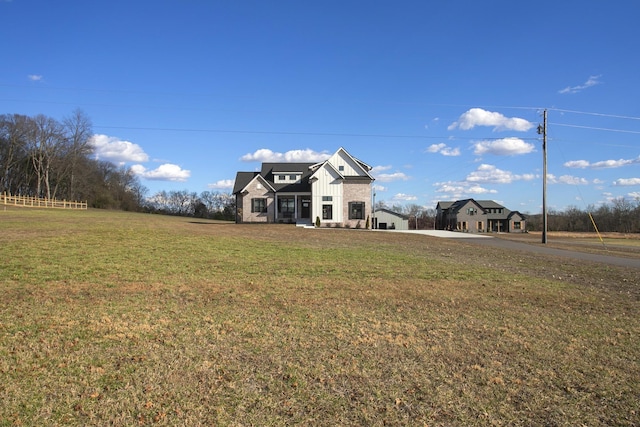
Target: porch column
[
  {"x": 275, "y": 208},
  {"x": 295, "y": 206}
]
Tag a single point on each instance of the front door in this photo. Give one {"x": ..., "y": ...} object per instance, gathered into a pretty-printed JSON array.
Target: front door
[{"x": 305, "y": 212}]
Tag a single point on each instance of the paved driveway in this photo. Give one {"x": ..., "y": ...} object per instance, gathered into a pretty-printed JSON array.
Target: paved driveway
[{"x": 486, "y": 240}]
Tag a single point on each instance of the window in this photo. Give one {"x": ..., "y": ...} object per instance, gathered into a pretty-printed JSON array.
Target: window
[
  {"x": 327, "y": 198},
  {"x": 258, "y": 205},
  {"x": 282, "y": 177},
  {"x": 286, "y": 207},
  {"x": 293, "y": 177},
  {"x": 356, "y": 210},
  {"x": 327, "y": 211},
  {"x": 341, "y": 168},
  {"x": 480, "y": 226},
  {"x": 517, "y": 225}
]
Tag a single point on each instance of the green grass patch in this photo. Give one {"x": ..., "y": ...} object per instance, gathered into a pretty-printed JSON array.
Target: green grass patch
[{"x": 131, "y": 319}]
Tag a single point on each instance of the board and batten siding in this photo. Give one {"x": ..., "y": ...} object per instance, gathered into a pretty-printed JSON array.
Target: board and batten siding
[
  {"x": 327, "y": 184},
  {"x": 349, "y": 166}
]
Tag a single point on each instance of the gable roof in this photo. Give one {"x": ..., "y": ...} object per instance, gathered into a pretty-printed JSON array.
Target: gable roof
[
  {"x": 270, "y": 170},
  {"x": 453, "y": 208},
  {"x": 365, "y": 168},
  {"x": 242, "y": 180},
  {"x": 458, "y": 204},
  {"x": 444, "y": 205},
  {"x": 390, "y": 212}
]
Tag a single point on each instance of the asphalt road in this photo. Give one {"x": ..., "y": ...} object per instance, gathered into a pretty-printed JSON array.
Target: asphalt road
[{"x": 525, "y": 247}]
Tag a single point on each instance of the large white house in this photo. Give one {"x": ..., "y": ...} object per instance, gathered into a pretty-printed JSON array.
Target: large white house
[{"x": 335, "y": 192}]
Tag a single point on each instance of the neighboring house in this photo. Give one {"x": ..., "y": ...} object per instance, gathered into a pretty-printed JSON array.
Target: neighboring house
[
  {"x": 478, "y": 216},
  {"x": 336, "y": 191},
  {"x": 385, "y": 219}
]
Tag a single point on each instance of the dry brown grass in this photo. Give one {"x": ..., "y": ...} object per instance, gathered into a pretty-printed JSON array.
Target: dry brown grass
[{"x": 124, "y": 319}]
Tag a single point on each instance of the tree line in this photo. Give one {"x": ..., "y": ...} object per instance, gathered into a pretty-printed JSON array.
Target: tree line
[
  {"x": 621, "y": 215},
  {"x": 47, "y": 158}
]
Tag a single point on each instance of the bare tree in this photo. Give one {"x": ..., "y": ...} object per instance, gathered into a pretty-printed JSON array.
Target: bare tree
[
  {"x": 13, "y": 142},
  {"x": 78, "y": 129},
  {"x": 46, "y": 140}
]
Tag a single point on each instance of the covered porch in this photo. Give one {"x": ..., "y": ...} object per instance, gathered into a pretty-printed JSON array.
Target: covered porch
[{"x": 293, "y": 208}]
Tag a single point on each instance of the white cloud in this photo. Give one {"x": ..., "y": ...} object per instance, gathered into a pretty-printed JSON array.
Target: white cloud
[
  {"x": 377, "y": 187},
  {"x": 165, "y": 172},
  {"x": 503, "y": 147},
  {"x": 634, "y": 195},
  {"x": 401, "y": 197},
  {"x": 114, "y": 149},
  {"x": 293, "y": 156},
  {"x": 591, "y": 81},
  {"x": 577, "y": 164},
  {"x": 624, "y": 182},
  {"x": 572, "y": 180},
  {"x": 603, "y": 164},
  {"x": 35, "y": 77},
  {"x": 376, "y": 172},
  {"x": 379, "y": 169},
  {"x": 479, "y": 117},
  {"x": 223, "y": 184},
  {"x": 443, "y": 149},
  {"x": 566, "y": 179},
  {"x": 388, "y": 177},
  {"x": 614, "y": 163},
  {"x": 457, "y": 190},
  {"x": 491, "y": 174}
]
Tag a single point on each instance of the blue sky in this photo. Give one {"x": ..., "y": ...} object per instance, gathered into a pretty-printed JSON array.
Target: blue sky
[{"x": 442, "y": 99}]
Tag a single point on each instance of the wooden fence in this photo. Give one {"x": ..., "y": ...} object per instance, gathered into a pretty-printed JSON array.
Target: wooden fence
[{"x": 35, "y": 202}]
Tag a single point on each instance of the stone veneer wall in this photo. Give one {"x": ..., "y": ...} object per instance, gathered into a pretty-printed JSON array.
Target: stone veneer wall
[{"x": 356, "y": 191}]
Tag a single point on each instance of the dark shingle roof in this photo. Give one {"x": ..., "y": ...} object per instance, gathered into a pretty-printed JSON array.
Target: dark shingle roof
[
  {"x": 270, "y": 169},
  {"x": 242, "y": 179}
]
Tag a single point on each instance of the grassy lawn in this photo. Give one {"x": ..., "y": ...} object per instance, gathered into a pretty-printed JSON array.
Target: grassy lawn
[{"x": 131, "y": 319}]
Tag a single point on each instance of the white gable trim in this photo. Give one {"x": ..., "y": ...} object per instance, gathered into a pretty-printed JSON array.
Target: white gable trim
[
  {"x": 326, "y": 165},
  {"x": 244, "y": 190},
  {"x": 363, "y": 166}
]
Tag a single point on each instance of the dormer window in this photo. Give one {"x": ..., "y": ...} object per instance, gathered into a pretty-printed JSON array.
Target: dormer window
[{"x": 288, "y": 178}]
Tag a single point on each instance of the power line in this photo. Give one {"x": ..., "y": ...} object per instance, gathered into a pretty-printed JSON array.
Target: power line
[
  {"x": 615, "y": 116},
  {"x": 596, "y": 128},
  {"x": 263, "y": 132}
]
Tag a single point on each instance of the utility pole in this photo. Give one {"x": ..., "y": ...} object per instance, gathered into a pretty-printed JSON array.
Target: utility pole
[
  {"x": 374, "y": 224},
  {"x": 542, "y": 129}
]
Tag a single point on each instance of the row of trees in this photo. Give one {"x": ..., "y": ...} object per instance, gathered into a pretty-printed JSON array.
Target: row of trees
[
  {"x": 621, "y": 215},
  {"x": 46, "y": 158},
  {"x": 42, "y": 157},
  {"x": 208, "y": 204}
]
